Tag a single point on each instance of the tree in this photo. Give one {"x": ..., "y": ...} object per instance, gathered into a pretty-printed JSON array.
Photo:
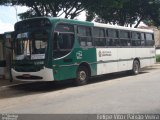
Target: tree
[
  {"x": 148, "y": 10},
  {"x": 68, "y": 8},
  {"x": 121, "y": 12},
  {"x": 153, "y": 11},
  {"x": 125, "y": 12}
]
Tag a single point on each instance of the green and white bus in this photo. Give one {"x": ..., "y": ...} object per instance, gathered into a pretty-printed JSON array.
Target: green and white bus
[{"x": 55, "y": 49}]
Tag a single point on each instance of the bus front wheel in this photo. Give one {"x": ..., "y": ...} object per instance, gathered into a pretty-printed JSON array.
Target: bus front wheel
[
  {"x": 136, "y": 67},
  {"x": 82, "y": 76}
]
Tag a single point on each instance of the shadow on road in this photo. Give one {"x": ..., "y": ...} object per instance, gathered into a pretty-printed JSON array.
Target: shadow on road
[
  {"x": 112, "y": 76},
  {"x": 42, "y": 87}
]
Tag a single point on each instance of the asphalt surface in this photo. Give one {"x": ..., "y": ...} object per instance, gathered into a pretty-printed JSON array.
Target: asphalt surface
[{"x": 113, "y": 93}]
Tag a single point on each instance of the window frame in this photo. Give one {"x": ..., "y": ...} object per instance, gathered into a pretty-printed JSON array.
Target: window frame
[
  {"x": 109, "y": 38},
  {"x": 72, "y": 33},
  {"x": 85, "y": 36},
  {"x": 136, "y": 40},
  {"x": 125, "y": 39},
  {"x": 151, "y": 42},
  {"x": 99, "y": 36}
]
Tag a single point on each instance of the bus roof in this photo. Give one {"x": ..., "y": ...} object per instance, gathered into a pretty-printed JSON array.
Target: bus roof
[
  {"x": 57, "y": 19},
  {"x": 86, "y": 23},
  {"x": 122, "y": 28},
  {"x": 100, "y": 25}
]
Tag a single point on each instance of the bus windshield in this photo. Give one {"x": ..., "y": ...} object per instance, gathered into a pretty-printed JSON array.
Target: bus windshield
[{"x": 31, "y": 45}]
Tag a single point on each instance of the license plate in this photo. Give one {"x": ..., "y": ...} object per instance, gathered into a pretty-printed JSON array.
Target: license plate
[{"x": 26, "y": 75}]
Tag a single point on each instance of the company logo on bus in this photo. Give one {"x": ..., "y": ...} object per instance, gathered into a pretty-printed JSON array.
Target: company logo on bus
[
  {"x": 104, "y": 53},
  {"x": 100, "y": 54},
  {"x": 79, "y": 55}
]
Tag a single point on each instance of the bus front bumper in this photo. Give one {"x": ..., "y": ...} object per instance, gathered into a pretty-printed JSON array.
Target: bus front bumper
[{"x": 45, "y": 74}]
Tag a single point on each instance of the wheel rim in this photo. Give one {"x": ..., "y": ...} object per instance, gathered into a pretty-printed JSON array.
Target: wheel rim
[
  {"x": 136, "y": 67},
  {"x": 82, "y": 75}
]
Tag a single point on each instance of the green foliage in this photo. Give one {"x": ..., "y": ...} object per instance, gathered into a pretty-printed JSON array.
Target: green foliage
[
  {"x": 126, "y": 12},
  {"x": 121, "y": 12},
  {"x": 68, "y": 8},
  {"x": 157, "y": 58}
]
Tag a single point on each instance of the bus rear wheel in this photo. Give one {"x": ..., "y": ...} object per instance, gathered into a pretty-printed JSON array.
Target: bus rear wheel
[
  {"x": 136, "y": 67},
  {"x": 82, "y": 76}
]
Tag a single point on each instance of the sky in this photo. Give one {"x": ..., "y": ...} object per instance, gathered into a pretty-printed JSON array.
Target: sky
[{"x": 8, "y": 17}]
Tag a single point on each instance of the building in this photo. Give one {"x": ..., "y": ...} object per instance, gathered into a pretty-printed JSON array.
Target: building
[
  {"x": 6, "y": 54},
  {"x": 2, "y": 61}
]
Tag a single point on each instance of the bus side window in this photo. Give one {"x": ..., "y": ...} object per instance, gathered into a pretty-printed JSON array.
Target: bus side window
[
  {"x": 136, "y": 39},
  {"x": 113, "y": 37},
  {"x": 113, "y": 42},
  {"x": 107, "y": 39},
  {"x": 65, "y": 41},
  {"x": 143, "y": 39},
  {"x": 63, "y": 37},
  {"x": 55, "y": 46},
  {"x": 84, "y": 36},
  {"x": 99, "y": 37},
  {"x": 149, "y": 39},
  {"x": 124, "y": 38}
]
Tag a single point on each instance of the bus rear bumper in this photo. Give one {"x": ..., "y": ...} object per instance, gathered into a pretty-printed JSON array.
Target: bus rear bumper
[{"x": 45, "y": 74}]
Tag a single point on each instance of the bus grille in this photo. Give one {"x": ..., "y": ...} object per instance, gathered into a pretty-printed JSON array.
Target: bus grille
[
  {"x": 29, "y": 78},
  {"x": 28, "y": 68}
]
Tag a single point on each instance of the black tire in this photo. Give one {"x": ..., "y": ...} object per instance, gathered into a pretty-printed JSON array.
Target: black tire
[
  {"x": 136, "y": 67},
  {"x": 82, "y": 76}
]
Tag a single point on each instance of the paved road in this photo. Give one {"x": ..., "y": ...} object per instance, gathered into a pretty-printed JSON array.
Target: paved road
[{"x": 115, "y": 93}]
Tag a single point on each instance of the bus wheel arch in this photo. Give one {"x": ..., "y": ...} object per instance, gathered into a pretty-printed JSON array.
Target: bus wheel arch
[
  {"x": 136, "y": 66},
  {"x": 83, "y": 74}
]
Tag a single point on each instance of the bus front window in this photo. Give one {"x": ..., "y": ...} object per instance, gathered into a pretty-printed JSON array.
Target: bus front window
[
  {"x": 39, "y": 42},
  {"x": 31, "y": 45}
]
